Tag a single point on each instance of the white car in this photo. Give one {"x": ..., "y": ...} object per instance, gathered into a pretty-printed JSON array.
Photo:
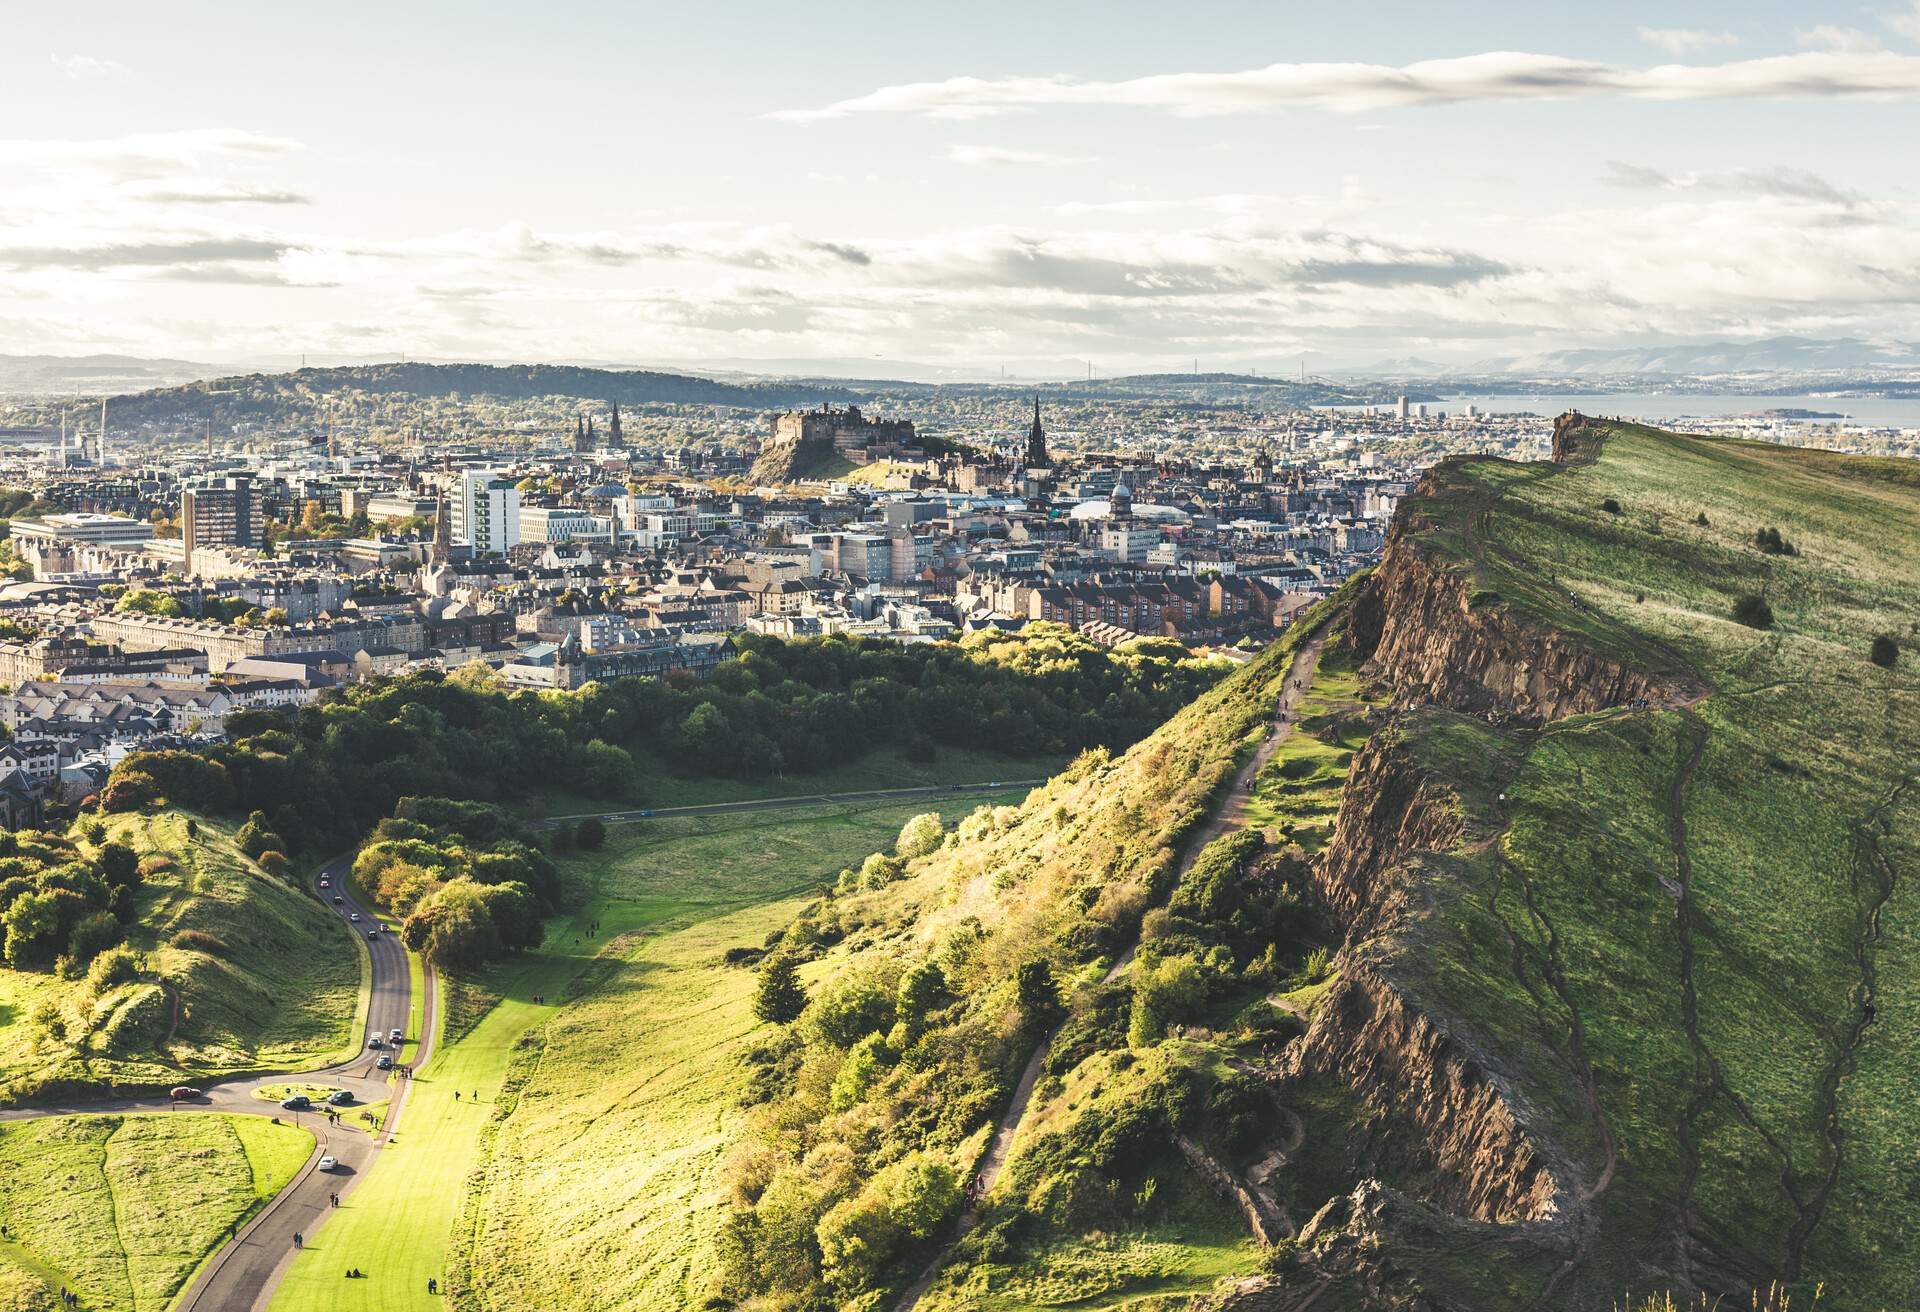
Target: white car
[
  {"x": 354, "y": 916},
  {"x": 328, "y": 1163}
]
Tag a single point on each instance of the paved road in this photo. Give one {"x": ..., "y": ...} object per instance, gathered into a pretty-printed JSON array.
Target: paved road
[
  {"x": 245, "y": 1272},
  {"x": 775, "y": 803}
]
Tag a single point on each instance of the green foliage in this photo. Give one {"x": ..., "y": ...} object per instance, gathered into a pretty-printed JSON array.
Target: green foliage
[
  {"x": 780, "y": 997},
  {"x": 1884, "y": 651},
  {"x": 849, "y": 1009},
  {"x": 141, "y": 601},
  {"x": 1769, "y": 540},
  {"x": 1753, "y": 611},
  {"x": 454, "y": 926},
  {"x": 1166, "y": 991},
  {"x": 919, "y": 836},
  {"x": 1037, "y": 993},
  {"x": 590, "y": 835}
]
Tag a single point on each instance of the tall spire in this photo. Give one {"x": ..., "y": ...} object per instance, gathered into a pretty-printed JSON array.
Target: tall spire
[
  {"x": 1036, "y": 439},
  {"x": 614, "y": 439},
  {"x": 442, "y": 532}
]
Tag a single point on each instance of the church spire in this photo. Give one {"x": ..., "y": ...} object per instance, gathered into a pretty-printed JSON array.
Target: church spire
[
  {"x": 1037, "y": 439},
  {"x": 614, "y": 439}
]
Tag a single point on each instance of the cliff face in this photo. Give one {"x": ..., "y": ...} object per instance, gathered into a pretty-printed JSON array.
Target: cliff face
[{"x": 1427, "y": 638}]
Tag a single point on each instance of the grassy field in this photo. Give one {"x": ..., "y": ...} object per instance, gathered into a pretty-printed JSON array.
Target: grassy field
[
  {"x": 265, "y": 977},
  {"x": 1298, "y": 793},
  {"x": 607, "y": 1102},
  {"x": 124, "y": 1209},
  {"x": 883, "y": 768},
  {"x": 1722, "y": 894}
]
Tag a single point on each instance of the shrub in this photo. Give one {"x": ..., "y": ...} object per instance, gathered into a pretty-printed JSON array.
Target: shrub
[
  {"x": 256, "y": 836},
  {"x": 1164, "y": 991},
  {"x": 851, "y": 1009},
  {"x": 590, "y": 834},
  {"x": 276, "y": 864},
  {"x": 198, "y": 940},
  {"x": 1769, "y": 540},
  {"x": 1611, "y": 506},
  {"x": 879, "y": 870},
  {"x": 1038, "y": 994},
  {"x": 1753, "y": 611},
  {"x": 1884, "y": 652},
  {"x": 870, "y": 1059},
  {"x": 919, "y": 836},
  {"x": 94, "y": 934},
  {"x": 111, "y": 969}
]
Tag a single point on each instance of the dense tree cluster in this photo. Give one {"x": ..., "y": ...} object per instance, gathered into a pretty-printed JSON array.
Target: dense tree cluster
[
  {"x": 327, "y": 773},
  {"x": 59, "y": 906}
]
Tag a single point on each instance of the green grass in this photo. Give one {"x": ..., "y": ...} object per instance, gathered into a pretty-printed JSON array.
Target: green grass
[
  {"x": 659, "y": 786},
  {"x": 267, "y": 978},
  {"x": 606, "y": 1104},
  {"x": 1298, "y": 792},
  {"x": 124, "y": 1209}
]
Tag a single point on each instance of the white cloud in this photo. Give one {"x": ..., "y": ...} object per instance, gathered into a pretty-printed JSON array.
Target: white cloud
[
  {"x": 143, "y": 155},
  {"x": 1685, "y": 40},
  {"x": 1495, "y": 76},
  {"x": 1905, "y": 20},
  {"x": 976, "y": 155},
  {"x": 87, "y": 66},
  {"x": 1843, "y": 40},
  {"x": 1783, "y": 183}
]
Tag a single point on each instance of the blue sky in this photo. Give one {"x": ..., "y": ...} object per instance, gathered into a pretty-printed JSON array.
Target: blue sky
[{"x": 1135, "y": 184}]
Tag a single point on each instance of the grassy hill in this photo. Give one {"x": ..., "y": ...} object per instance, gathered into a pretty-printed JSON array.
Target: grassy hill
[
  {"x": 262, "y": 975},
  {"x": 124, "y": 1209},
  {"x": 1575, "y": 962}
]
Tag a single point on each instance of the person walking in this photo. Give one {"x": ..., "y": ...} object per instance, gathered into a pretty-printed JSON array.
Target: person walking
[{"x": 298, "y": 1239}]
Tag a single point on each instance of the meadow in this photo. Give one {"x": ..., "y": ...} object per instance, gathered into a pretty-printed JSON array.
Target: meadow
[
  {"x": 127, "y": 1207},
  {"x": 535, "y": 1141}
]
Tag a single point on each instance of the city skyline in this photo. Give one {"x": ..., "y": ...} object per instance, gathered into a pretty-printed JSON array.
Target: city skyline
[{"x": 1247, "y": 189}]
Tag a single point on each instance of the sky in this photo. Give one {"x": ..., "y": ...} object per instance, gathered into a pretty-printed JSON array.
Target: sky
[{"x": 1000, "y": 185}]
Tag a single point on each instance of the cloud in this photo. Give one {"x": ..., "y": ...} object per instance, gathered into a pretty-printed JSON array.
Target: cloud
[
  {"x": 1842, "y": 40},
  {"x": 1495, "y": 76},
  {"x": 212, "y": 193},
  {"x": 156, "y": 254},
  {"x": 1785, "y": 183},
  {"x": 1685, "y": 40},
  {"x": 975, "y": 155},
  {"x": 146, "y": 155},
  {"x": 88, "y": 66},
  {"x": 1905, "y": 20}
]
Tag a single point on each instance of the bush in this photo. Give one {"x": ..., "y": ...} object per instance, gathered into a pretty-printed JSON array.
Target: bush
[
  {"x": 1164, "y": 992},
  {"x": 1884, "y": 652},
  {"x": 1611, "y": 506},
  {"x": 1038, "y": 994},
  {"x": 919, "y": 836},
  {"x": 94, "y": 934},
  {"x": 1753, "y": 611},
  {"x": 276, "y": 864},
  {"x": 856, "y": 1006},
  {"x": 111, "y": 969},
  {"x": 1769, "y": 540},
  {"x": 590, "y": 834}
]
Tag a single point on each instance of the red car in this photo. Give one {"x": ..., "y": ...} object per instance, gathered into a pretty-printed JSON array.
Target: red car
[{"x": 181, "y": 1093}]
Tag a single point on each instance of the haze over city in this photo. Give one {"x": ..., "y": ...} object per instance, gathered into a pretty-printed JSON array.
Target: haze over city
[{"x": 1244, "y": 186}]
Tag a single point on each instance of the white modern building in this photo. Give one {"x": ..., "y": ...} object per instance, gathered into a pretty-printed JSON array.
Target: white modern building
[{"x": 486, "y": 513}]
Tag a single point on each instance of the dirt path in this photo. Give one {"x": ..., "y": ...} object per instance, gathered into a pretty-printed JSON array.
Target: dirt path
[{"x": 1228, "y": 816}]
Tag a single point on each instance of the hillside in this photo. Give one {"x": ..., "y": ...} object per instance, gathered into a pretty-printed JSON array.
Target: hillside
[
  {"x": 236, "y": 970},
  {"x": 1568, "y": 958},
  {"x": 309, "y": 394}
]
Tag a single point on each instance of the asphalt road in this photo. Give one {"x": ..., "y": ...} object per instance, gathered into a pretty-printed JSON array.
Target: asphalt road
[
  {"x": 775, "y": 803},
  {"x": 244, "y": 1273}
]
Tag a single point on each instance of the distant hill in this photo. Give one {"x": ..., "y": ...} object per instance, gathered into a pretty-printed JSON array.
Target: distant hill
[
  {"x": 48, "y": 375},
  {"x": 302, "y": 392}
]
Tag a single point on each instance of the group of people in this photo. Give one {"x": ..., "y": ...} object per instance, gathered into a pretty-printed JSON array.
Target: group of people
[{"x": 68, "y": 1298}]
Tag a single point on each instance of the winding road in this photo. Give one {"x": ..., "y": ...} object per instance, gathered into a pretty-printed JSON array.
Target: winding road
[{"x": 244, "y": 1272}]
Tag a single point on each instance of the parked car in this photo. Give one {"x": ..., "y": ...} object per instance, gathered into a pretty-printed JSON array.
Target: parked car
[
  {"x": 327, "y": 1163},
  {"x": 297, "y": 1102},
  {"x": 385, "y": 1063},
  {"x": 182, "y": 1092},
  {"x": 340, "y": 1097}
]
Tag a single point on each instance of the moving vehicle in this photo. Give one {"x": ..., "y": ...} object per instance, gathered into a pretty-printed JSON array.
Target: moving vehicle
[
  {"x": 325, "y": 882},
  {"x": 340, "y": 1097},
  {"x": 353, "y": 916},
  {"x": 182, "y": 1092},
  {"x": 373, "y": 933},
  {"x": 385, "y": 1063},
  {"x": 338, "y": 900},
  {"x": 376, "y": 1042},
  {"x": 327, "y": 1164},
  {"x": 396, "y": 1035},
  {"x": 297, "y": 1102}
]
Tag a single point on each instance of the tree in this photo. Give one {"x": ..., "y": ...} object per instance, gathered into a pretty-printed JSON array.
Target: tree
[
  {"x": 33, "y": 930},
  {"x": 780, "y": 997},
  {"x": 516, "y": 916},
  {"x": 925, "y": 1191},
  {"x": 919, "y": 836},
  {"x": 1164, "y": 991},
  {"x": 1038, "y": 994},
  {"x": 591, "y": 834},
  {"x": 453, "y": 926},
  {"x": 1885, "y": 652},
  {"x": 922, "y": 989}
]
